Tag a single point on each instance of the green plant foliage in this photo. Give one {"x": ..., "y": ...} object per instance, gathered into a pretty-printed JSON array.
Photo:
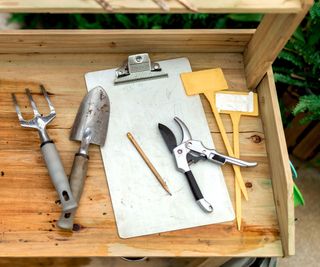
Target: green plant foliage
[
  {"x": 289, "y": 80},
  {"x": 298, "y": 65},
  {"x": 134, "y": 21},
  {"x": 246, "y": 17},
  {"x": 310, "y": 104},
  {"x": 301, "y": 56},
  {"x": 283, "y": 112}
]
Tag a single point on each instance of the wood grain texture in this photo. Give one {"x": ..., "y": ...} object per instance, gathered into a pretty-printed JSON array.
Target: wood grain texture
[
  {"x": 148, "y": 6},
  {"x": 123, "y": 41},
  {"x": 28, "y": 207},
  {"x": 104, "y": 262},
  {"x": 277, "y": 149},
  {"x": 270, "y": 37}
]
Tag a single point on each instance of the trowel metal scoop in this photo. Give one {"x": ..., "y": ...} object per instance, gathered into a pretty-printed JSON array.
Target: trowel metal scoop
[{"x": 90, "y": 127}]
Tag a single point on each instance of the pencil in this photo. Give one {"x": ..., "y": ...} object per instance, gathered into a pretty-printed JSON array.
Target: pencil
[{"x": 148, "y": 162}]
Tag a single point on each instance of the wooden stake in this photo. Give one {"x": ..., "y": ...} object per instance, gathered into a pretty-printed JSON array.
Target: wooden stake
[
  {"x": 148, "y": 162},
  {"x": 105, "y": 5},
  {"x": 187, "y": 4},
  {"x": 161, "y": 3}
]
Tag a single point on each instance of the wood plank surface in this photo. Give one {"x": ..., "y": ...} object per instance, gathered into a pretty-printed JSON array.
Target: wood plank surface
[
  {"x": 28, "y": 206},
  {"x": 123, "y": 41},
  {"x": 104, "y": 262},
  {"x": 149, "y": 6},
  {"x": 279, "y": 160}
]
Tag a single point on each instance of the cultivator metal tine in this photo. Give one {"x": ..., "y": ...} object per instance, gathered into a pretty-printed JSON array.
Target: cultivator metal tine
[
  {"x": 33, "y": 104},
  {"x": 49, "y": 151},
  {"x": 18, "y": 111},
  {"x": 44, "y": 92},
  {"x": 39, "y": 121}
]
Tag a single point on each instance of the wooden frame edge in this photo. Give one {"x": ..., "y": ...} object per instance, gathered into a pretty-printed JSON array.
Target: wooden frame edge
[
  {"x": 269, "y": 39},
  {"x": 148, "y": 6},
  {"x": 279, "y": 161},
  {"x": 126, "y": 41}
]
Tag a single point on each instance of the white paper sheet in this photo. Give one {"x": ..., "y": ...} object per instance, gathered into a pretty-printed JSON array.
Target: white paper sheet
[{"x": 234, "y": 102}]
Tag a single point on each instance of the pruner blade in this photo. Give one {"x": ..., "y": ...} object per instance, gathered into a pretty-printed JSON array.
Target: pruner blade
[{"x": 186, "y": 135}]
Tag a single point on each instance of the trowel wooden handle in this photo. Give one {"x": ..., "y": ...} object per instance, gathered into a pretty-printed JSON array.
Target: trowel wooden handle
[{"x": 77, "y": 178}]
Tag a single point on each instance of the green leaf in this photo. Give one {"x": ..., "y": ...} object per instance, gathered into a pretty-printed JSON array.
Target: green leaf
[
  {"x": 221, "y": 23},
  {"x": 124, "y": 20},
  {"x": 156, "y": 27},
  {"x": 289, "y": 80},
  {"x": 314, "y": 34},
  {"x": 187, "y": 25},
  {"x": 307, "y": 102},
  {"x": 17, "y": 18},
  {"x": 298, "y": 34},
  {"x": 291, "y": 57},
  {"x": 143, "y": 21},
  {"x": 310, "y": 104},
  {"x": 83, "y": 22},
  {"x": 246, "y": 17},
  {"x": 309, "y": 53},
  {"x": 315, "y": 11}
]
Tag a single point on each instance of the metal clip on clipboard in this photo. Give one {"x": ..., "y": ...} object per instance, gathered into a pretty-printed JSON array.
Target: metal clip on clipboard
[{"x": 138, "y": 67}]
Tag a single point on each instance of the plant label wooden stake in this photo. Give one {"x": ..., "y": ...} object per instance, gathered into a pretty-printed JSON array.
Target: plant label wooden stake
[
  {"x": 236, "y": 104},
  {"x": 208, "y": 82}
]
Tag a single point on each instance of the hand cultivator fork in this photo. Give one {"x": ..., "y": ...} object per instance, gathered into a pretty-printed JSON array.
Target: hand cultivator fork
[{"x": 48, "y": 149}]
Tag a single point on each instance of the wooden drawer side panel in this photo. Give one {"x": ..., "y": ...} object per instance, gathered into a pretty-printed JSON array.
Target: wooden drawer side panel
[
  {"x": 278, "y": 160},
  {"x": 124, "y": 41}
]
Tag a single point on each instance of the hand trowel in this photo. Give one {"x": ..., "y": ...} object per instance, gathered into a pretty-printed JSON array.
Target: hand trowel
[{"x": 90, "y": 127}]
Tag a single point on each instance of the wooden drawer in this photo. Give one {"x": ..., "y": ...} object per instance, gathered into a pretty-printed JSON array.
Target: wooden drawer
[{"x": 59, "y": 59}]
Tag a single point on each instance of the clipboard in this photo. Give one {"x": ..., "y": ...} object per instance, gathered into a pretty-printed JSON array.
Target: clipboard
[{"x": 141, "y": 206}]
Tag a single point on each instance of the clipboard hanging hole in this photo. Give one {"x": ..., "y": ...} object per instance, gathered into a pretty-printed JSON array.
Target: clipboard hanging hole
[{"x": 138, "y": 59}]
